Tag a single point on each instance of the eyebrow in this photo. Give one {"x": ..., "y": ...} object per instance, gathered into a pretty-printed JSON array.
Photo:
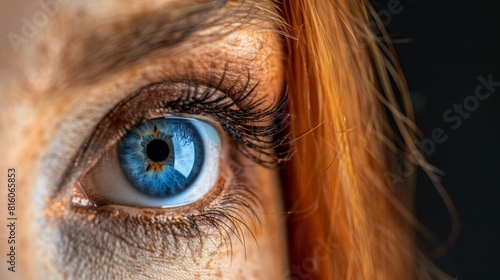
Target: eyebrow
[{"x": 93, "y": 55}]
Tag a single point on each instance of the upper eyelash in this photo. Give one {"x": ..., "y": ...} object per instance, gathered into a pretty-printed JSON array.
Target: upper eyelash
[{"x": 256, "y": 141}]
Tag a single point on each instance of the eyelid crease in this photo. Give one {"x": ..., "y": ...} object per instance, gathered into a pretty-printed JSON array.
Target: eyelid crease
[{"x": 251, "y": 128}]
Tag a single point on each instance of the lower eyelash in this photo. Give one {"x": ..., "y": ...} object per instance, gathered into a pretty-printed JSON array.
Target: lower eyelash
[{"x": 224, "y": 218}]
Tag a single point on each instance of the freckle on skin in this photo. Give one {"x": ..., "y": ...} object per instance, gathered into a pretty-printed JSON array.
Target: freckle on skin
[{"x": 55, "y": 210}]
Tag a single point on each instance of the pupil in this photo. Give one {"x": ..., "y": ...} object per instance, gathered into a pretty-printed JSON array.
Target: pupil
[{"x": 157, "y": 150}]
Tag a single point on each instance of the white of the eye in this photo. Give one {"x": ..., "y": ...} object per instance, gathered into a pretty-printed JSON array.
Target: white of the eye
[{"x": 109, "y": 181}]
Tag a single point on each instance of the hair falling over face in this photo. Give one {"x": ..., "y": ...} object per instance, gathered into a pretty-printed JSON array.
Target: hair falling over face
[{"x": 347, "y": 219}]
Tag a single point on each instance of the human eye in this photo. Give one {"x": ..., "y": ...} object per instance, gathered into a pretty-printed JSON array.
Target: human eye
[
  {"x": 179, "y": 150},
  {"x": 164, "y": 162}
]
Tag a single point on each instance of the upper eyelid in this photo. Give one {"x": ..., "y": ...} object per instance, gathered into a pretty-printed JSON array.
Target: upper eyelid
[{"x": 99, "y": 141}]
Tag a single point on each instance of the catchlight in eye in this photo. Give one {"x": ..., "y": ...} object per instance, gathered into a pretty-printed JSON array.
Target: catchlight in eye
[{"x": 164, "y": 162}]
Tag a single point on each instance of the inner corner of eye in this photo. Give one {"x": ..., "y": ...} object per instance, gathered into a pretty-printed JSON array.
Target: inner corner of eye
[{"x": 164, "y": 162}]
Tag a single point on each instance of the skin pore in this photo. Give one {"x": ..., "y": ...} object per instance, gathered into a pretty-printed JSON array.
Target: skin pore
[{"x": 86, "y": 62}]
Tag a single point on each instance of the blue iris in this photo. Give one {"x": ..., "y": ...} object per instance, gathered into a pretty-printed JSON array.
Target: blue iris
[{"x": 162, "y": 157}]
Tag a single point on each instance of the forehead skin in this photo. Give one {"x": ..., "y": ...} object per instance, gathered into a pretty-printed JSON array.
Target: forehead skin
[{"x": 49, "y": 112}]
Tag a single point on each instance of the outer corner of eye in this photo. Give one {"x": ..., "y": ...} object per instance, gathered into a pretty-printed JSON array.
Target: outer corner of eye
[{"x": 162, "y": 163}]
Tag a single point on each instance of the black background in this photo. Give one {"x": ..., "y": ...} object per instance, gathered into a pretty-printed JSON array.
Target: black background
[{"x": 449, "y": 44}]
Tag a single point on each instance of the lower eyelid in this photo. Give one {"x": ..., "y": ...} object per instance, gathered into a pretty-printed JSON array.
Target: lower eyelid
[
  {"x": 232, "y": 173},
  {"x": 232, "y": 210}
]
